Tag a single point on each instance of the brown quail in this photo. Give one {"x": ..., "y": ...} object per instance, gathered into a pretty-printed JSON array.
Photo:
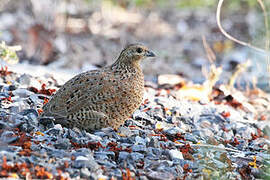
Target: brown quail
[{"x": 100, "y": 98}]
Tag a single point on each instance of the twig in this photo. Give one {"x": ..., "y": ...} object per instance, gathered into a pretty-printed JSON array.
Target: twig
[
  {"x": 231, "y": 37},
  {"x": 267, "y": 42},
  {"x": 209, "y": 52},
  {"x": 212, "y": 146},
  {"x": 212, "y": 77},
  {"x": 239, "y": 69},
  {"x": 215, "y": 147},
  {"x": 267, "y": 39}
]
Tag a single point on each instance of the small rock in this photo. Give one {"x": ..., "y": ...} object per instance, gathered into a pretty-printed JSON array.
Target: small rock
[
  {"x": 12, "y": 87},
  {"x": 24, "y": 79},
  {"x": 93, "y": 137},
  {"x": 175, "y": 154},
  {"x": 8, "y": 137},
  {"x": 3, "y": 125},
  {"x": 245, "y": 132},
  {"x": 171, "y": 79},
  {"x": 190, "y": 137},
  {"x": 104, "y": 155},
  {"x": 80, "y": 162},
  {"x": 173, "y": 131},
  {"x": 123, "y": 155},
  {"x": 160, "y": 175},
  {"x": 47, "y": 122},
  {"x": 85, "y": 173},
  {"x": 142, "y": 141},
  {"x": 139, "y": 148},
  {"x": 23, "y": 93},
  {"x": 136, "y": 156},
  {"x": 107, "y": 163},
  {"x": 88, "y": 162},
  {"x": 138, "y": 115},
  {"x": 53, "y": 131},
  {"x": 125, "y": 131},
  {"x": 62, "y": 144},
  {"x": 154, "y": 142},
  {"x": 34, "y": 98}
]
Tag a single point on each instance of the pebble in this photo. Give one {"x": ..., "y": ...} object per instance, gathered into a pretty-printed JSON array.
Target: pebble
[
  {"x": 104, "y": 155},
  {"x": 123, "y": 155},
  {"x": 160, "y": 175},
  {"x": 136, "y": 156},
  {"x": 22, "y": 93},
  {"x": 125, "y": 131},
  {"x": 140, "y": 140},
  {"x": 24, "y": 79},
  {"x": 8, "y": 137},
  {"x": 85, "y": 173},
  {"x": 175, "y": 154},
  {"x": 62, "y": 144},
  {"x": 88, "y": 162},
  {"x": 174, "y": 130},
  {"x": 139, "y": 148},
  {"x": 170, "y": 79}
]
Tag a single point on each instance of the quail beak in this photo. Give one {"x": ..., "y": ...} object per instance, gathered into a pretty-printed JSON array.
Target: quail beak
[{"x": 149, "y": 54}]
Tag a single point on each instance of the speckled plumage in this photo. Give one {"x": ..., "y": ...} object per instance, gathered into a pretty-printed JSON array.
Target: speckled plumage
[{"x": 101, "y": 98}]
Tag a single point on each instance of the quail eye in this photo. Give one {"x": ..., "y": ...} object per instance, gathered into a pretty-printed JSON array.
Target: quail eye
[{"x": 139, "y": 50}]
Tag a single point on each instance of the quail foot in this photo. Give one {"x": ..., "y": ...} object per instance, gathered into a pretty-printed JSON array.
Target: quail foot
[{"x": 101, "y": 98}]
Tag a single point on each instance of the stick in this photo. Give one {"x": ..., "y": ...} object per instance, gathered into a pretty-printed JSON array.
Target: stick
[{"x": 231, "y": 37}]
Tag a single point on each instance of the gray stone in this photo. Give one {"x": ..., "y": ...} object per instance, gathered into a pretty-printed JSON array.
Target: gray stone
[
  {"x": 88, "y": 162},
  {"x": 125, "y": 131},
  {"x": 85, "y": 173},
  {"x": 139, "y": 148},
  {"x": 62, "y": 143},
  {"x": 160, "y": 175},
  {"x": 175, "y": 154},
  {"x": 34, "y": 98},
  {"x": 94, "y": 137},
  {"x": 154, "y": 142},
  {"x": 53, "y": 131},
  {"x": 24, "y": 79},
  {"x": 8, "y": 137},
  {"x": 173, "y": 131},
  {"x": 123, "y": 155},
  {"x": 82, "y": 152},
  {"x": 104, "y": 155},
  {"x": 190, "y": 137},
  {"x": 9, "y": 155},
  {"x": 23, "y": 93},
  {"x": 107, "y": 163},
  {"x": 138, "y": 115},
  {"x": 136, "y": 156},
  {"x": 164, "y": 165},
  {"x": 140, "y": 140},
  {"x": 12, "y": 87},
  {"x": 245, "y": 132}
]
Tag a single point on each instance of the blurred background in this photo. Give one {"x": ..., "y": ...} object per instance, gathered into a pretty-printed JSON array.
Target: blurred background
[{"x": 81, "y": 35}]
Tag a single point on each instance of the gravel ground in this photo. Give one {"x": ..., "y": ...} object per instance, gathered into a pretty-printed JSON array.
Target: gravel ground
[{"x": 166, "y": 138}]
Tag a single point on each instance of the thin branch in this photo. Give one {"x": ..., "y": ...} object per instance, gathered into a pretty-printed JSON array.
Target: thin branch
[
  {"x": 220, "y": 2},
  {"x": 267, "y": 42},
  {"x": 212, "y": 147},
  {"x": 267, "y": 39},
  {"x": 239, "y": 69},
  {"x": 209, "y": 52},
  {"x": 215, "y": 147}
]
